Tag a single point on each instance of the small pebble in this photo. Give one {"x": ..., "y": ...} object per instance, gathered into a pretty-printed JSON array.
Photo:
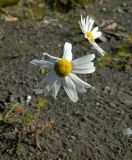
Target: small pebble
[
  {"x": 97, "y": 103},
  {"x": 124, "y": 5},
  {"x": 28, "y": 99},
  {"x": 119, "y": 10},
  {"x": 103, "y": 9},
  {"x": 69, "y": 150},
  {"x": 106, "y": 90}
]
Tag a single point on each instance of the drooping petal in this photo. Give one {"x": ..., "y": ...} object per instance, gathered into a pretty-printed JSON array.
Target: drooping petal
[
  {"x": 50, "y": 56},
  {"x": 97, "y": 47},
  {"x": 56, "y": 87},
  {"x": 70, "y": 89},
  {"x": 84, "y": 71},
  {"x": 47, "y": 78},
  {"x": 80, "y": 89},
  {"x": 50, "y": 84},
  {"x": 83, "y": 60},
  {"x": 42, "y": 63},
  {"x": 79, "y": 82},
  {"x": 67, "y": 51}
]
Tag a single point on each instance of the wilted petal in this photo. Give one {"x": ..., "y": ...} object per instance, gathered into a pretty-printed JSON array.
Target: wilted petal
[
  {"x": 56, "y": 88},
  {"x": 50, "y": 84},
  {"x": 47, "y": 78},
  {"x": 50, "y": 56}
]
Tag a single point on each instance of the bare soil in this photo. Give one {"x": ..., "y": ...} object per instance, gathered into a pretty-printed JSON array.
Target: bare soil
[{"x": 92, "y": 128}]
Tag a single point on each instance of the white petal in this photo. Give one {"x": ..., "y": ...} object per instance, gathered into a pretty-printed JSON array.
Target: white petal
[
  {"x": 42, "y": 63},
  {"x": 47, "y": 78},
  {"x": 81, "y": 19},
  {"x": 84, "y": 71},
  {"x": 50, "y": 56},
  {"x": 83, "y": 60},
  {"x": 97, "y": 47},
  {"x": 97, "y": 34},
  {"x": 79, "y": 82},
  {"x": 79, "y": 87},
  {"x": 67, "y": 51},
  {"x": 83, "y": 65},
  {"x": 87, "y": 23},
  {"x": 95, "y": 30},
  {"x": 50, "y": 84},
  {"x": 82, "y": 28},
  {"x": 83, "y": 22},
  {"x": 70, "y": 89},
  {"x": 91, "y": 22},
  {"x": 83, "y": 25},
  {"x": 56, "y": 87}
]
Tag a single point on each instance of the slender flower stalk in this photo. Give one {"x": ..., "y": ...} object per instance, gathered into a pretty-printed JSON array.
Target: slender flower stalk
[
  {"x": 63, "y": 73},
  {"x": 86, "y": 25}
]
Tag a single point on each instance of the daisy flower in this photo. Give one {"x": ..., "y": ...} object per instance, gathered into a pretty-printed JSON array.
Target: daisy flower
[
  {"x": 62, "y": 72},
  {"x": 86, "y": 25}
]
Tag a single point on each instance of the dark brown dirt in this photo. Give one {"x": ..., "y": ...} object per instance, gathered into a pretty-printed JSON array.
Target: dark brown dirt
[{"x": 92, "y": 128}]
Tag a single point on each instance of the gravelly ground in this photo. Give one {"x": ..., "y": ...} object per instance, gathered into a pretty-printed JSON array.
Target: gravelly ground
[{"x": 92, "y": 128}]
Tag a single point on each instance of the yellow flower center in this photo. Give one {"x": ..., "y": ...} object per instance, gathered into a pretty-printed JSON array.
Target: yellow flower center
[
  {"x": 63, "y": 68},
  {"x": 90, "y": 36}
]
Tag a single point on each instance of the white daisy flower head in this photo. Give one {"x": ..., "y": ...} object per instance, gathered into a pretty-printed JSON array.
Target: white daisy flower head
[
  {"x": 63, "y": 73},
  {"x": 86, "y": 25}
]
